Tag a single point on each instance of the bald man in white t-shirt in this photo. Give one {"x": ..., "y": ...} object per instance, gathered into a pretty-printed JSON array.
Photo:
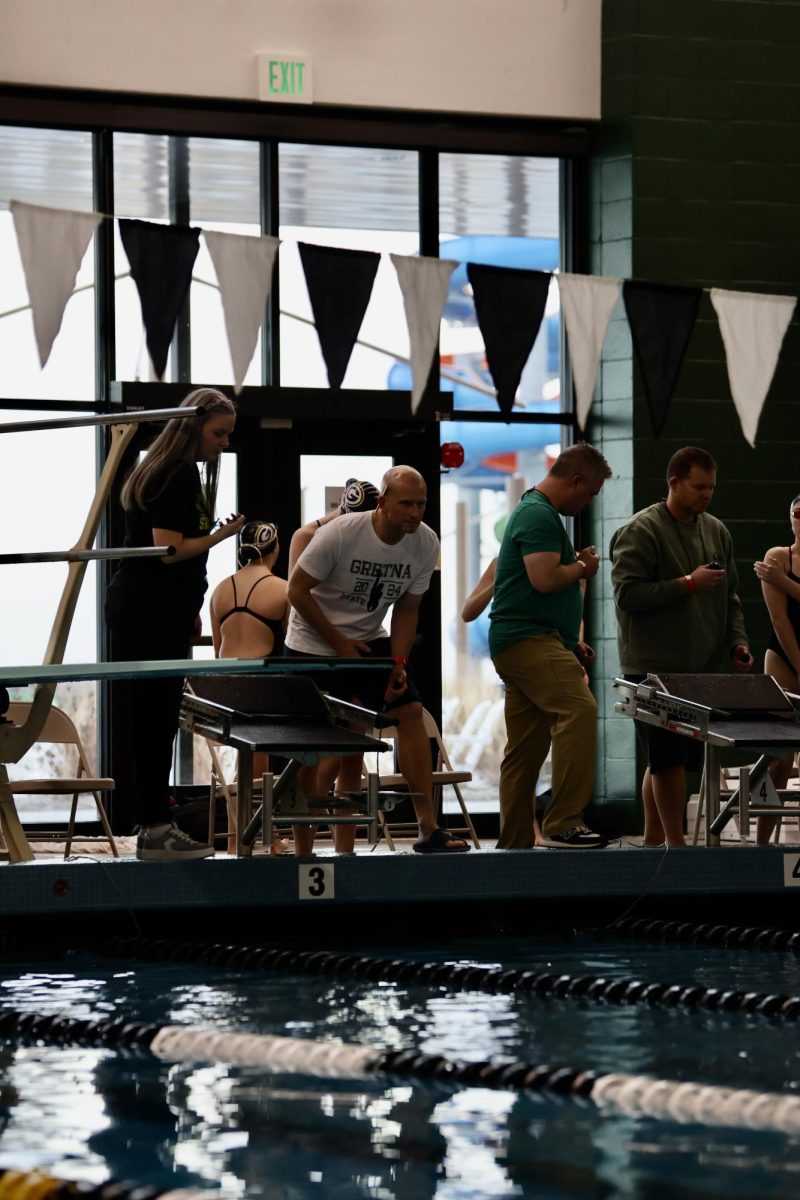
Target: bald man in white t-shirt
[{"x": 353, "y": 571}]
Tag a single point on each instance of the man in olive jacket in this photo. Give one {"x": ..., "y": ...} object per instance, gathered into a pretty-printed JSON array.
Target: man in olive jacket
[{"x": 678, "y": 609}]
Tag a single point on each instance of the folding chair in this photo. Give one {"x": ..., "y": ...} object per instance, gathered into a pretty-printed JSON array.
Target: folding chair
[
  {"x": 59, "y": 729},
  {"x": 444, "y": 775}
]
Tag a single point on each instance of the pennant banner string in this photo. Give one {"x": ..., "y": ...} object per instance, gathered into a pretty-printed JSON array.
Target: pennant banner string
[{"x": 53, "y": 241}]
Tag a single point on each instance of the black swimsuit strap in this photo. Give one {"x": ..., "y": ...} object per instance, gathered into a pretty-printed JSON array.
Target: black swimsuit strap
[
  {"x": 243, "y": 608},
  {"x": 260, "y": 579}
]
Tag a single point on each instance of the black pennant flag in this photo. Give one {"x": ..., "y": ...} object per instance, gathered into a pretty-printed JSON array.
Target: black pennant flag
[
  {"x": 661, "y": 317},
  {"x": 161, "y": 259},
  {"x": 510, "y": 306},
  {"x": 339, "y": 287}
]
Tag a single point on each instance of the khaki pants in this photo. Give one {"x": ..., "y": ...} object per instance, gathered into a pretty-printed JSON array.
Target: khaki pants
[{"x": 547, "y": 702}]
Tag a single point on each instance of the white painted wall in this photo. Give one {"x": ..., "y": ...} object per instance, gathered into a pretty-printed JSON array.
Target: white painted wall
[{"x": 515, "y": 57}]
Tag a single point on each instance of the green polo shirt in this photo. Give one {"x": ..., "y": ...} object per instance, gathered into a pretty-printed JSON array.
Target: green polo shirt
[{"x": 518, "y": 610}]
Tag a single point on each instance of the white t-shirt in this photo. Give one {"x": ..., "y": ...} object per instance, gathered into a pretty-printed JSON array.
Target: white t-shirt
[{"x": 360, "y": 577}]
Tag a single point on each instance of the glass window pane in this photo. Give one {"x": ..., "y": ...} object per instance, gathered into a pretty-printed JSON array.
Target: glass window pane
[
  {"x": 353, "y": 198},
  {"x": 224, "y": 196},
  {"x": 221, "y": 184},
  {"x": 222, "y": 557},
  {"x": 323, "y": 478},
  {"x": 141, "y": 191},
  {"x": 498, "y": 211},
  {"x": 51, "y": 474},
  {"x": 51, "y": 167},
  {"x": 192, "y": 762}
]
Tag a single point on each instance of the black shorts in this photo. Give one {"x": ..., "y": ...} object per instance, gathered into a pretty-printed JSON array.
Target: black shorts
[
  {"x": 665, "y": 749},
  {"x": 367, "y": 688}
]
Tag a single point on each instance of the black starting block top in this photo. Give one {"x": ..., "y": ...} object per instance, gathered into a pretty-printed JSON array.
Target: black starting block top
[
  {"x": 279, "y": 714},
  {"x": 726, "y": 694},
  {"x": 266, "y": 696}
]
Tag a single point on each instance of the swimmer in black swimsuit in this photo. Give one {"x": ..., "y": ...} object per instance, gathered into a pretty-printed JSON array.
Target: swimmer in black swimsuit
[
  {"x": 258, "y": 625},
  {"x": 275, "y": 626},
  {"x": 781, "y": 588},
  {"x": 254, "y": 629}
]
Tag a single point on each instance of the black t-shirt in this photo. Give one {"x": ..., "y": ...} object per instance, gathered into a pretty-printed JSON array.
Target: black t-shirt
[{"x": 172, "y": 590}]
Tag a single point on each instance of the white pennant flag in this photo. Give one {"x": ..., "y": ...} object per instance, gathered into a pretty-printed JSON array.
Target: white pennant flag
[
  {"x": 244, "y": 266},
  {"x": 52, "y": 243},
  {"x": 587, "y": 301},
  {"x": 753, "y": 327},
  {"x": 424, "y": 283}
]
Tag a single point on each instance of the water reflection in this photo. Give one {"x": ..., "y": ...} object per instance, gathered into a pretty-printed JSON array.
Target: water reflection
[{"x": 92, "y": 1114}]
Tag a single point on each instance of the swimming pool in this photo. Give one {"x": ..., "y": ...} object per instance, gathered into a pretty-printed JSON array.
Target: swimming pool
[{"x": 95, "y": 1112}]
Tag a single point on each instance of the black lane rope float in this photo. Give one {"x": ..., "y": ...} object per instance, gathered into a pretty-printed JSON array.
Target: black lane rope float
[
  {"x": 702, "y": 934},
  {"x": 631, "y": 1095},
  {"x": 463, "y": 976},
  {"x": 38, "y": 1185}
]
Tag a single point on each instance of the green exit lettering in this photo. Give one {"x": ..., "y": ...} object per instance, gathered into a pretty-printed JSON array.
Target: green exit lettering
[{"x": 285, "y": 78}]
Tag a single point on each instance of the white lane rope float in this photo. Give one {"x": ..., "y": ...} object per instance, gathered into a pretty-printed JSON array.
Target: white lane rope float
[{"x": 629, "y": 1095}]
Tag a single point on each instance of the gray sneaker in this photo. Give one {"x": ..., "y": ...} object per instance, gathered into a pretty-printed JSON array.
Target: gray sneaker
[{"x": 172, "y": 844}]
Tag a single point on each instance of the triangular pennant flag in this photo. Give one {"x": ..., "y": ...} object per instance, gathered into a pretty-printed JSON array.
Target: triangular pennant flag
[
  {"x": 339, "y": 287},
  {"x": 661, "y": 318},
  {"x": 423, "y": 282},
  {"x": 244, "y": 266},
  {"x": 161, "y": 259},
  {"x": 510, "y": 306},
  {"x": 52, "y": 243},
  {"x": 753, "y": 327},
  {"x": 587, "y": 302}
]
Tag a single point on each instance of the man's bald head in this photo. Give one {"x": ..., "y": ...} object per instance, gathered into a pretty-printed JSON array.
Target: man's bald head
[{"x": 401, "y": 476}]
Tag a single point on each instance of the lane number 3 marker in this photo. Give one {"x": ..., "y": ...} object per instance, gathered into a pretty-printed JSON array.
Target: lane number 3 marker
[{"x": 317, "y": 881}]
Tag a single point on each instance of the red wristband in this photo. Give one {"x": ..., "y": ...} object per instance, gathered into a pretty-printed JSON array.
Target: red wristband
[
  {"x": 401, "y": 662},
  {"x": 690, "y": 581}
]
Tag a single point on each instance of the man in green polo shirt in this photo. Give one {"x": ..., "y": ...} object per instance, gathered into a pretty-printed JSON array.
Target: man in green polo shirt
[{"x": 534, "y": 640}]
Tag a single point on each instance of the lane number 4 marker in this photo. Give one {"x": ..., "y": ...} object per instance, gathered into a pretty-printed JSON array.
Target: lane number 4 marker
[{"x": 791, "y": 870}]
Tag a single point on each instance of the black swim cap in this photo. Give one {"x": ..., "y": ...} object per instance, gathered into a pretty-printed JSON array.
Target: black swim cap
[{"x": 359, "y": 496}]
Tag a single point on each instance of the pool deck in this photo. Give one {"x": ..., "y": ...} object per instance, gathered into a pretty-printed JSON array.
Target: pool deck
[{"x": 505, "y": 888}]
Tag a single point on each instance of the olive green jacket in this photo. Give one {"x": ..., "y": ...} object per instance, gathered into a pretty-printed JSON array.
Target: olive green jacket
[{"x": 661, "y": 626}]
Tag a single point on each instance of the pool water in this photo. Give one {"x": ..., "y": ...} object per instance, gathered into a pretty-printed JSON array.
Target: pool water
[{"x": 92, "y": 1114}]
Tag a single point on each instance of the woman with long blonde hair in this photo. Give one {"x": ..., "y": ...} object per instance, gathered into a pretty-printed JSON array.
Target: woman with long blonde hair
[{"x": 153, "y": 605}]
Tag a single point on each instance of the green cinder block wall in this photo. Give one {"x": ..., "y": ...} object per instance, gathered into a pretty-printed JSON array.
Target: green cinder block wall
[{"x": 695, "y": 180}]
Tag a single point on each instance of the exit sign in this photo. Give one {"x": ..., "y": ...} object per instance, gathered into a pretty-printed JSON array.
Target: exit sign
[{"x": 285, "y": 78}]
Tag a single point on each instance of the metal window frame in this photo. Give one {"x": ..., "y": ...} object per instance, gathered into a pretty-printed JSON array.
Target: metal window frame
[{"x": 105, "y": 113}]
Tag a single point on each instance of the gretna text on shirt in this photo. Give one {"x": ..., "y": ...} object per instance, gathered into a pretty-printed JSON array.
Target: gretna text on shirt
[{"x": 362, "y": 566}]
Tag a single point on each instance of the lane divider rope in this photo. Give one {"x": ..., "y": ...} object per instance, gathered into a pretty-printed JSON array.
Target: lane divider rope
[
  {"x": 463, "y": 976},
  {"x": 703, "y": 934},
  {"x": 630, "y": 1095}
]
